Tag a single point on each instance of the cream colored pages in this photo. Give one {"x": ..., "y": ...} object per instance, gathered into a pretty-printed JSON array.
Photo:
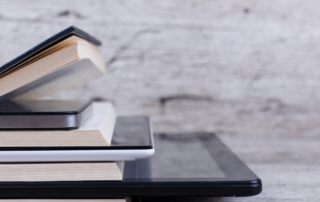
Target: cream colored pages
[
  {"x": 97, "y": 130},
  {"x": 58, "y": 69},
  {"x": 39, "y": 69},
  {"x": 62, "y": 200},
  {"x": 77, "y": 73},
  {"x": 106, "y": 126},
  {"x": 59, "y": 171},
  {"x": 62, "y": 44}
]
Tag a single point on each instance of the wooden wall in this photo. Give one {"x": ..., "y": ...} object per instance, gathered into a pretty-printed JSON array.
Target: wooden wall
[{"x": 239, "y": 67}]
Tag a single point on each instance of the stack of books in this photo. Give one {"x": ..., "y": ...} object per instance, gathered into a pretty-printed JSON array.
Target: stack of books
[
  {"x": 97, "y": 130},
  {"x": 65, "y": 60}
]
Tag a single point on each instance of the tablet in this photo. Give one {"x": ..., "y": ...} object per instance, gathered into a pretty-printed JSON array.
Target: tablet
[
  {"x": 132, "y": 139},
  {"x": 43, "y": 114},
  {"x": 197, "y": 165}
]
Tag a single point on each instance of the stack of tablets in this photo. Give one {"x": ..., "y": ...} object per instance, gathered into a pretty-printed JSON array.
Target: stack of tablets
[{"x": 52, "y": 140}]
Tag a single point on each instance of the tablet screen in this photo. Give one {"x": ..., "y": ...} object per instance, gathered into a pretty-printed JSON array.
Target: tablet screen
[
  {"x": 132, "y": 132},
  {"x": 177, "y": 157},
  {"x": 183, "y": 157}
]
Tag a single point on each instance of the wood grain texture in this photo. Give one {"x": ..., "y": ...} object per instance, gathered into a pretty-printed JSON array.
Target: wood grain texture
[
  {"x": 175, "y": 60},
  {"x": 247, "y": 70}
]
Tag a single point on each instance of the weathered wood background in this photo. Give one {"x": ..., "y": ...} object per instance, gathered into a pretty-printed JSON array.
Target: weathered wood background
[{"x": 246, "y": 70}]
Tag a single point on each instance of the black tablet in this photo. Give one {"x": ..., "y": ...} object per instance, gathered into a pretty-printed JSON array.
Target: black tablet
[
  {"x": 43, "y": 114},
  {"x": 183, "y": 165}
]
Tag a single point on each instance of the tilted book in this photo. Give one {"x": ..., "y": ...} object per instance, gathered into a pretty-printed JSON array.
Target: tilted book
[{"x": 65, "y": 60}]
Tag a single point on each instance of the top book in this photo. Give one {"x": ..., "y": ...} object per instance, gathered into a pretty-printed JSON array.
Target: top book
[{"x": 65, "y": 60}]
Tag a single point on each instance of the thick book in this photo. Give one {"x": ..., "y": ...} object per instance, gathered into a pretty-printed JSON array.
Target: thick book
[
  {"x": 88, "y": 171},
  {"x": 65, "y": 60},
  {"x": 97, "y": 130}
]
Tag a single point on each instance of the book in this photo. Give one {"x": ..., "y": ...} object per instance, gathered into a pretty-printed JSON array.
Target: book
[
  {"x": 63, "y": 200},
  {"x": 67, "y": 59},
  {"x": 97, "y": 130},
  {"x": 88, "y": 171}
]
